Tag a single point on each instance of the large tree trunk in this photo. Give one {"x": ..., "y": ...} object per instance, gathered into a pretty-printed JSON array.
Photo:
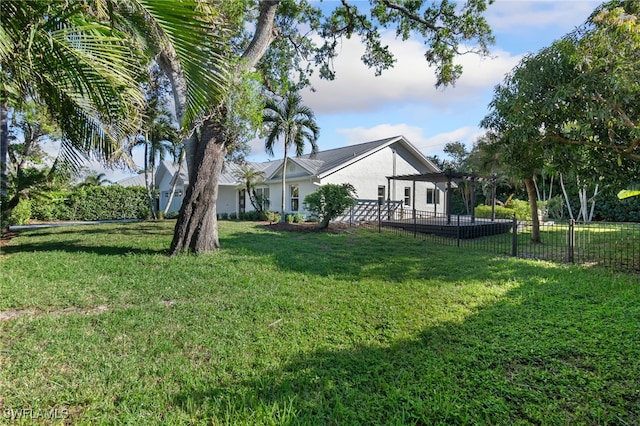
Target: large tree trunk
[
  {"x": 197, "y": 226},
  {"x": 4, "y": 158},
  {"x": 533, "y": 204}
]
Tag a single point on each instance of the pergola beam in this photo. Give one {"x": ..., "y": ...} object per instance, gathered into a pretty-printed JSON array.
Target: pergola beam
[{"x": 449, "y": 177}]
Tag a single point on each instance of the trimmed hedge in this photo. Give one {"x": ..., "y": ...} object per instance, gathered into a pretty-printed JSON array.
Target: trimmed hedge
[
  {"x": 518, "y": 207},
  {"x": 484, "y": 211},
  {"x": 21, "y": 213},
  {"x": 93, "y": 203}
]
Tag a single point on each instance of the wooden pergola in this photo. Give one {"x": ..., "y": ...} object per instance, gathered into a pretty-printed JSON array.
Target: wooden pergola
[{"x": 449, "y": 177}]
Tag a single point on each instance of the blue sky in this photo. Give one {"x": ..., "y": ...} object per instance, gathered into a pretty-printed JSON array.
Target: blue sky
[{"x": 358, "y": 107}]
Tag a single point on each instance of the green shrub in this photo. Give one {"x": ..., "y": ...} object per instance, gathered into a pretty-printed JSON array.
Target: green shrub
[
  {"x": 50, "y": 206},
  {"x": 521, "y": 207},
  {"x": 233, "y": 216},
  {"x": 556, "y": 207},
  {"x": 93, "y": 203},
  {"x": 223, "y": 216},
  {"x": 484, "y": 211},
  {"x": 110, "y": 202},
  {"x": 21, "y": 214},
  {"x": 299, "y": 218},
  {"x": 273, "y": 217},
  {"x": 253, "y": 215},
  {"x": 610, "y": 208},
  {"x": 330, "y": 201},
  {"x": 289, "y": 217}
]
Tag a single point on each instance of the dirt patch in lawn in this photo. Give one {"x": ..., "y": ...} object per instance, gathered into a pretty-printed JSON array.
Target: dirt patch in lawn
[
  {"x": 334, "y": 228},
  {"x": 6, "y": 237},
  {"x": 10, "y": 314}
]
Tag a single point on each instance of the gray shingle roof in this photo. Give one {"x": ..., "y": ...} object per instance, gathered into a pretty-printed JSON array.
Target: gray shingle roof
[
  {"x": 137, "y": 180},
  {"x": 317, "y": 164},
  {"x": 332, "y": 158}
]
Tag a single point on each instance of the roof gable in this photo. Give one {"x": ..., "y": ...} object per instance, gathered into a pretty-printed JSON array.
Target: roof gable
[
  {"x": 339, "y": 158},
  {"x": 320, "y": 164},
  {"x": 171, "y": 168}
]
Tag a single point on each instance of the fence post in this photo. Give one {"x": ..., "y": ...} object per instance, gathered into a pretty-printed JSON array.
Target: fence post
[
  {"x": 514, "y": 239},
  {"x": 379, "y": 217},
  {"x": 415, "y": 223},
  {"x": 572, "y": 240},
  {"x": 458, "y": 232}
]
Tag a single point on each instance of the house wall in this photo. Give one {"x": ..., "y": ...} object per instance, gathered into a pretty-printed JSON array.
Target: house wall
[
  {"x": 176, "y": 202},
  {"x": 305, "y": 187},
  {"x": 371, "y": 172},
  {"x": 228, "y": 200},
  {"x": 365, "y": 175}
]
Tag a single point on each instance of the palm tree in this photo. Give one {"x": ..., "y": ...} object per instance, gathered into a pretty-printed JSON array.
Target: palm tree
[
  {"x": 251, "y": 177},
  {"x": 81, "y": 69},
  {"x": 179, "y": 154},
  {"x": 160, "y": 139},
  {"x": 294, "y": 123},
  {"x": 82, "y": 61},
  {"x": 95, "y": 179}
]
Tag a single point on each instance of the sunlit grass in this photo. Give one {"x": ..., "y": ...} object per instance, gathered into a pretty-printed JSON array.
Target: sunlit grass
[{"x": 288, "y": 328}]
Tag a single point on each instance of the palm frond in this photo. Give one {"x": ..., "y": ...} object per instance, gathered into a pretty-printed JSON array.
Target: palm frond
[
  {"x": 631, "y": 191},
  {"x": 198, "y": 34}
]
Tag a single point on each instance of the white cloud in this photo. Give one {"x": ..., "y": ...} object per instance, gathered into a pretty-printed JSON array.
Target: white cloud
[
  {"x": 356, "y": 88},
  {"x": 427, "y": 145},
  {"x": 521, "y": 16}
]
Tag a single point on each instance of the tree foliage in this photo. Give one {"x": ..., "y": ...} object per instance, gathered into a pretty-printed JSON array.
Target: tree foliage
[{"x": 573, "y": 106}]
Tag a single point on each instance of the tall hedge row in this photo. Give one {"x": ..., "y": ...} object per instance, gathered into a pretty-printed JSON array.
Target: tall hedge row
[{"x": 92, "y": 203}]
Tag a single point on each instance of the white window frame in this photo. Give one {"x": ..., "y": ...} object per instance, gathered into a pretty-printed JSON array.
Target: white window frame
[{"x": 294, "y": 199}]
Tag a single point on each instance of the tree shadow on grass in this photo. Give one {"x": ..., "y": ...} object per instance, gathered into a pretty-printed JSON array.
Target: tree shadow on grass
[
  {"x": 351, "y": 256},
  {"x": 78, "y": 246},
  {"x": 77, "y": 239},
  {"x": 548, "y": 352}
]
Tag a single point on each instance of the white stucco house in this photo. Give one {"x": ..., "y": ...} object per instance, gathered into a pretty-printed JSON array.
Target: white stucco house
[{"x": 366, "y": 166}]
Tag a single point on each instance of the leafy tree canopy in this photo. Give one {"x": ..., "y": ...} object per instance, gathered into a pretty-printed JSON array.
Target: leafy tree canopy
[{"x": 576, "y": 102}]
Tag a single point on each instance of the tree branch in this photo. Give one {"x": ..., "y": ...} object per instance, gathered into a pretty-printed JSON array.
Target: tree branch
[
  {"x": 627, "y": 150},
  {"x": 410, "y": 15},
  {"x": 265, "y": 33}
]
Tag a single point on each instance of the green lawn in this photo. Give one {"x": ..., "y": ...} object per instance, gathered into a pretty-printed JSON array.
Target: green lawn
[{"x": 288, "y": 328}]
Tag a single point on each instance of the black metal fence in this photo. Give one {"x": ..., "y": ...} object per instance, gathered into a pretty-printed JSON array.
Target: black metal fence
[{"x": 615, "y": 245}]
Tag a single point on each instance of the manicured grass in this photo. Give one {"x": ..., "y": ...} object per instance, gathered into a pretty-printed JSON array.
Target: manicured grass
[{"x": 288, "y": 328}]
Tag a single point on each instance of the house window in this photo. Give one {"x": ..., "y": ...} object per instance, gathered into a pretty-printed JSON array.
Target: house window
[
  {"x": 262, "y": 197},
  {"x": 295, "y": 193},
  {"x": 407, "y": 196},
  {"x": 381, "y": 191},
  {"x": 433, "y": 196}
]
